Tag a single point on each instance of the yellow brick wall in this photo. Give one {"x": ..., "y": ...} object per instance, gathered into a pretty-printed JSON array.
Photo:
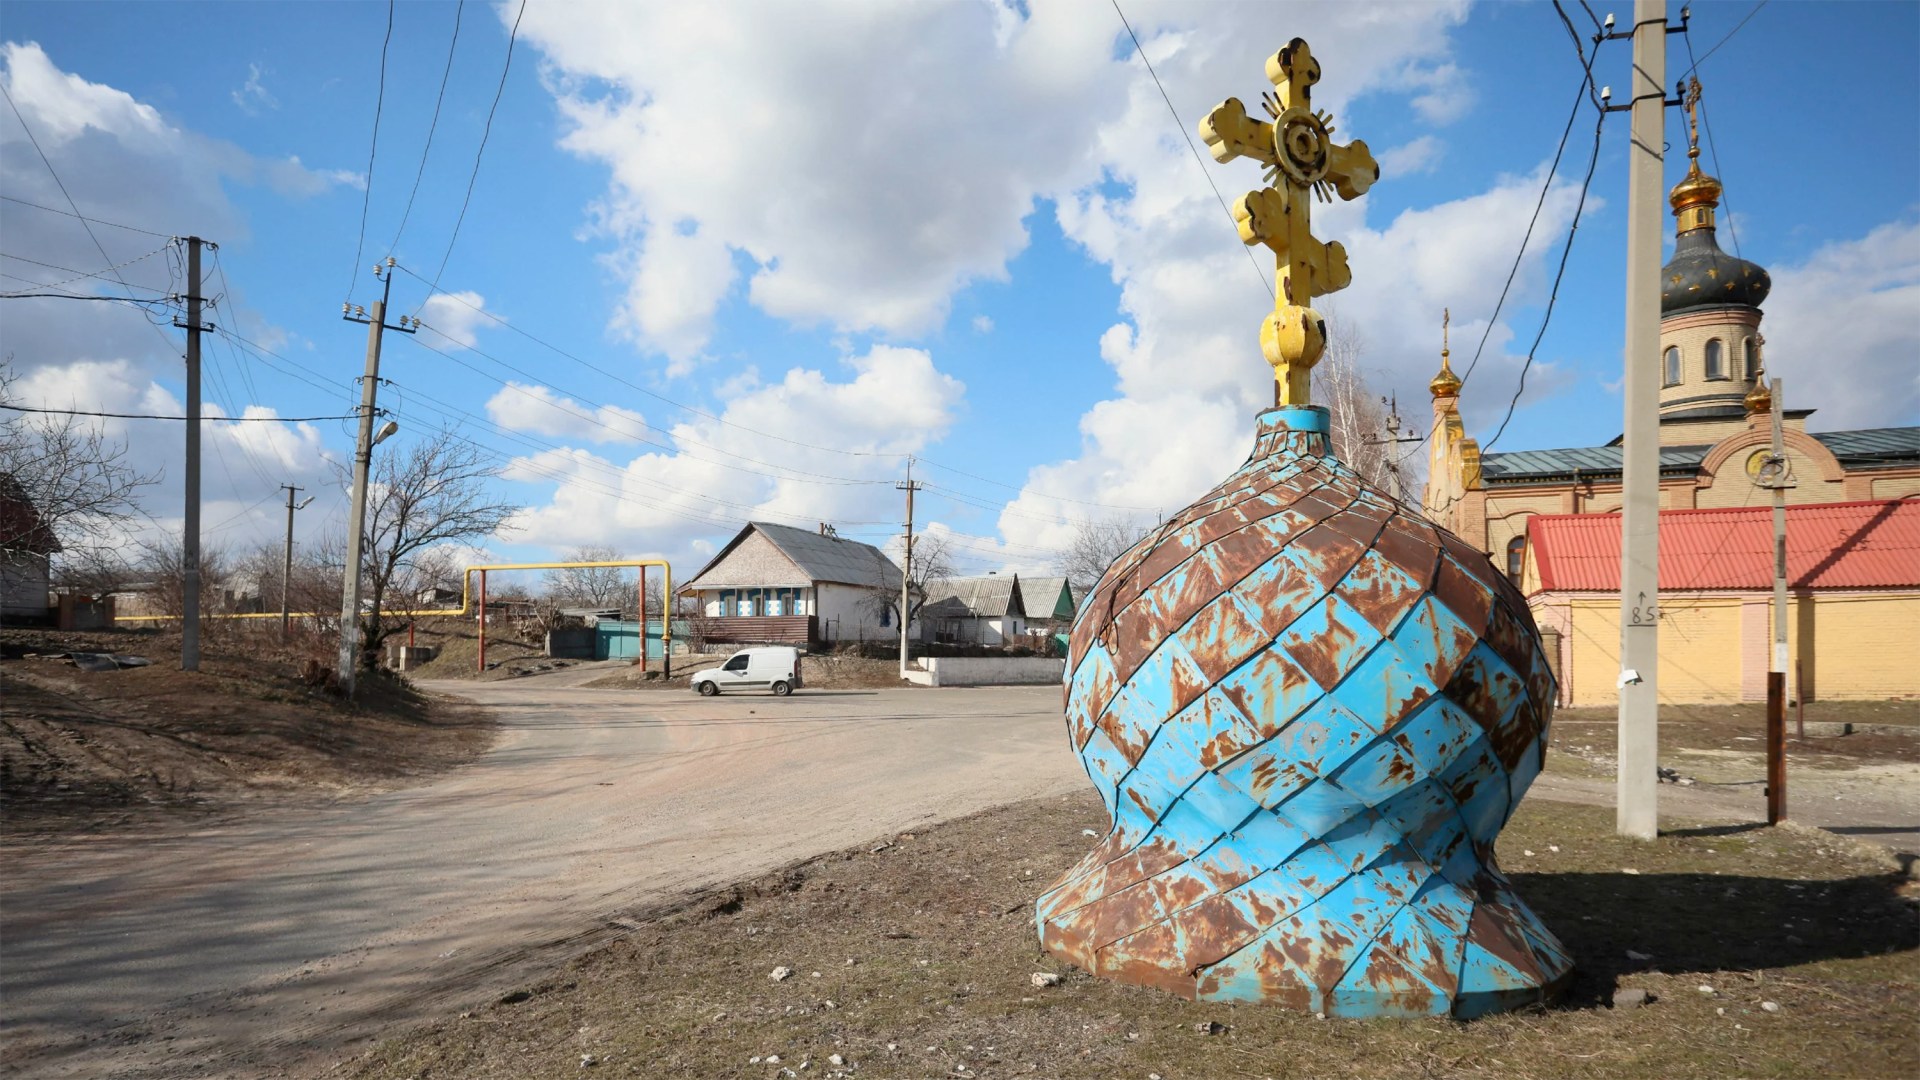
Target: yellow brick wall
[
  {"x": 1896, "y": 487},
  {"x": 1856, "y": 646},
  {"x": 1859, "y": 647},
  {"x": 1732, "y": 486}
]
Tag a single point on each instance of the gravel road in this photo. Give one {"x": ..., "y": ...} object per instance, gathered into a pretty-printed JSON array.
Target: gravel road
[{"x": 266, "y": 946}]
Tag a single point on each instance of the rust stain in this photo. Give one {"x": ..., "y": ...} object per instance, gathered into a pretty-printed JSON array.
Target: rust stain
[{"x": 1321, "y": 657}]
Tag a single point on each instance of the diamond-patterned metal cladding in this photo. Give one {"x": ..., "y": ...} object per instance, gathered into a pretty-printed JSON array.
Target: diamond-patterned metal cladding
[{"x": 1309, "y": 713}]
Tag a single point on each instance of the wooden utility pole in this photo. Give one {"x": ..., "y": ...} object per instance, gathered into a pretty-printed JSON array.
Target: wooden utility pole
[
  {"x": 1636, "y": 788},
  {"x": 190, "y": 540},
  {"x": 1775, "y": 475},
  {"x": 906, "y": 568},
  {"x": 362, "y": 460},
  {"x": 286, "y": 566}
]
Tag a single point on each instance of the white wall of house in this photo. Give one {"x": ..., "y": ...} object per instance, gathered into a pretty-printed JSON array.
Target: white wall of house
[
  {"x": 974, "y": 630},
  {"x": 849, "y": 613}
]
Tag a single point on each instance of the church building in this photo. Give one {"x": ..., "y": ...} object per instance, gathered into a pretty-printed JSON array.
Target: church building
[
  {"x": 1714, "y": 417},
  {"x": 1551, "y": 518}
]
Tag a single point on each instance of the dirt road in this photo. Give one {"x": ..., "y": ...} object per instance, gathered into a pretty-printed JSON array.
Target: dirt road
[
  {"x": 276, "y": 944},
  {"x": 263, "y": 946}
]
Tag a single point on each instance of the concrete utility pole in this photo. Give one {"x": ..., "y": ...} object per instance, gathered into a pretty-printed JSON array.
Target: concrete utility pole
[
  {"x": 1775, "y": 476},
  {"x": 362, "y": 460},
  {"x": 286, "y": 570},
  {"x": 190, "y": 541},
  {"x": 1637, "y": 785},
  {"x": 906, "y": 568}
]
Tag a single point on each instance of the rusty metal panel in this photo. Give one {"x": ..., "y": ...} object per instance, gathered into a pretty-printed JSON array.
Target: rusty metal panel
[{"x": 1309, "y": 713}]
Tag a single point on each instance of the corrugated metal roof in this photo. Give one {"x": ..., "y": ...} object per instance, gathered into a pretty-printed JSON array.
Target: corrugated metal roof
[
  {"x": 817, "y": 557},
  {"x": 1873, "y": 446},
  {"x": 1852, "y": 545},
  {"x": 981, "y": 597},
  {"x": 831, "y": 558},
  {"x": 1518, "y": 465},
  {"x": 1041, "y": 596}
]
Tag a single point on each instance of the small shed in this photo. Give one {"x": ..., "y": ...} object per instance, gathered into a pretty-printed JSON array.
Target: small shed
[
  {"x": 27, "y": 545},
  {"x": 975, "y": 611},
  {"x": 1853, "y": 585}
]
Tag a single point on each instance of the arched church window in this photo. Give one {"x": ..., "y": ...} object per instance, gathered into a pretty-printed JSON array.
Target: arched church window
[
  {"x": 1716, "y": 359},
  {"x": 1516, "y": 557},
  {"x": 1671, "y": 367},
  {"x": 1747, "y": 369}
]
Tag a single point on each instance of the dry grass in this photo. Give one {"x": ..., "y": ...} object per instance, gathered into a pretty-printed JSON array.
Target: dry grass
[
  {"x": 1590, "y": 731},
  {"x": 913, "y": 961}
]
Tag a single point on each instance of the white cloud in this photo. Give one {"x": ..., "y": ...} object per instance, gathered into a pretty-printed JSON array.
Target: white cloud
[
  {"x": 252, "y": 95},
  {"x": 982, "y": 324},
  {"x": 878, "y": 157},
  {"x": 775, "y": 465},
  {"x": 457, "y": 316},
  {"x": 1422, "y": 155},
  {"x": 542, "y": 411},
  {"x": 1843, "y": 330},
  {"x": 122, "y": 160}
]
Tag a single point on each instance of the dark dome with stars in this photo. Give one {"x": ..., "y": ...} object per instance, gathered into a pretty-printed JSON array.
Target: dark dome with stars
[{"x": 1700, "y": 275}]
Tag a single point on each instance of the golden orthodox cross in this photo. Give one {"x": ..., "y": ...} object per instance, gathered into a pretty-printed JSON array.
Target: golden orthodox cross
[{"x": 1302, "y": 161}]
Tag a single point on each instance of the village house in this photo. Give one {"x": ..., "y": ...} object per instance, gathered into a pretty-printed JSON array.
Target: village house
[
  {"x": 775, "y": 584},
  {"x": 974, "y": 611}
]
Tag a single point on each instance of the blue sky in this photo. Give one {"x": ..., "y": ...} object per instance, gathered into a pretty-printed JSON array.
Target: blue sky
[{"x": 792, "y": 244}]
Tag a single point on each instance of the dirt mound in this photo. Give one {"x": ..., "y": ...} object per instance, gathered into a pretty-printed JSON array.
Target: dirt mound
[{"x": 84, "y": 750}]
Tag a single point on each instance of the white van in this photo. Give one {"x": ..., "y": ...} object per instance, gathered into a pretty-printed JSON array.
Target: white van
[{"x": 775, "y": 668}]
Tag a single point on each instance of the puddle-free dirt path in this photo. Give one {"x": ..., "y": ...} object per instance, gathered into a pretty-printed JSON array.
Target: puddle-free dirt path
[{"x": 262, "y": 946}]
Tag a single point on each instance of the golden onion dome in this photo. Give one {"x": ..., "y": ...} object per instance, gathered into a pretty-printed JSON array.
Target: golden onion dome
[
  {"x": 1445, "y": 384},
  {"x": 1697, "y": 192},
  {"x": 1759, "y": 400}
]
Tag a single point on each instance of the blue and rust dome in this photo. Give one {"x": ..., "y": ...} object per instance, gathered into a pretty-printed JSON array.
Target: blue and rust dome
[
  {"x": 1309, "y": 712},
  {"x": 1700, "y": 275}
]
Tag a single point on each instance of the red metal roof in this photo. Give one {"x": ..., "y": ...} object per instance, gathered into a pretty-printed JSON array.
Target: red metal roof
[{"x": 1849, "y": 545}]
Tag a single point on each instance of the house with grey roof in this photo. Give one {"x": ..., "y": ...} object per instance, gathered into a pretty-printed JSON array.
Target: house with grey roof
[
  {"x": 974, "y": 611},
  {"x": 776, "y": 584},
  {"x": 1049, "y": 602}
]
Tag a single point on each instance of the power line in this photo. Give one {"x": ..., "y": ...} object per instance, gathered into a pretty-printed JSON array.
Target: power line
[
  {"x": 1722, "y": 41},
  {"x": 432, "y": 126},
  {"x": 163, "y": 301},
  {"x": 1265, "y": 281},
  {"x": 435, "y": 290},
  {"x": 85, "y": 222},
  {"x": 79, "y": 275},
  {"x": 486, "y": 131},
  {"x": 149, "y": 416},
  {"x": 1707, "y": 122},
  {"x": 373, "y": 150},
  {"x": 83, "y": 217},
  {"x": 1554, "y": 295}
]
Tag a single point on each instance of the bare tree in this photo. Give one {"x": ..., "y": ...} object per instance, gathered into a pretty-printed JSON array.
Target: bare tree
[
  {"x": 1359, "y": 415},
  {"x": 606, "y": 588},
  {"x": 1094, "y": 547},
  {"x": 421, "y": 500},
  {"x": 78, "y": 480},
  {"x": 164, "y": 565},
  {"x": 932, "y": 563}
]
